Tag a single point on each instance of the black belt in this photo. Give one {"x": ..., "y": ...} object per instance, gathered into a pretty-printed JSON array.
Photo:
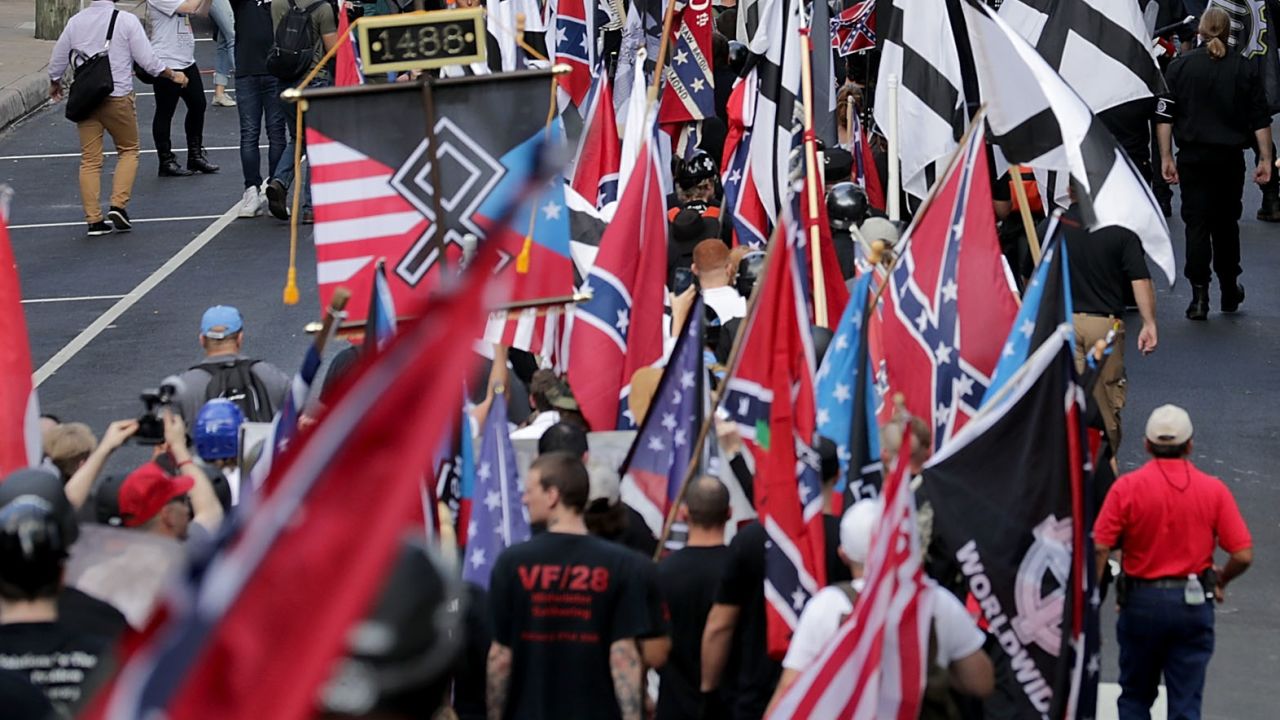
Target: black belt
[{"x": 1169, "y": 583}]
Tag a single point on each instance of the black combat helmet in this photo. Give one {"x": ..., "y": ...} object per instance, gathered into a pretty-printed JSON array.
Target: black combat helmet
[
  {"x": 33, "y": 548},
  {"x": 846, "y": 205}
]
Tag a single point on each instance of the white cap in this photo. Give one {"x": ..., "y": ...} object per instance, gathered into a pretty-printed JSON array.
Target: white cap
[
  {"x": 604, "y": 481},
  {"x": 878, "y": 228},
  {"x": 1169, "y": 425},
  {"x": 856, "y": 527}
]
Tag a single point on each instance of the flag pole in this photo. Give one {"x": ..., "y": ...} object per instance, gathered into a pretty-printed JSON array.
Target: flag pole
[
  {"x": 892, "y": 201},
  {"x": 732, "y": 365},
  {"x": 663, "y": 48},
  {"x": 1028, "y": 225},
  {"x": 811, "y": 181}
]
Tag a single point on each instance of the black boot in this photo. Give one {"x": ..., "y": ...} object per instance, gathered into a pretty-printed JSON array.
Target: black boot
[
  {"x": 1199, "y": 307},
  {"x": 1232, "y": 296},
  {"x": 1270, "y": 210},
  {"x": 198, "y": 161},
  {"x": 169, "y": 166}
]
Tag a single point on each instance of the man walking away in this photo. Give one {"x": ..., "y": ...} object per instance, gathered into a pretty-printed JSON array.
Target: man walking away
[
  {"x": 1164, "y": 518},
  {"x": 86, "y": 35},
  {"x": 567, "y": 610},
  {"x": 258, "y": 387},
  {"x": 258, "y": 96},
  {"x": 689, "y": 579},
  {"x": 175, "y": 44}
]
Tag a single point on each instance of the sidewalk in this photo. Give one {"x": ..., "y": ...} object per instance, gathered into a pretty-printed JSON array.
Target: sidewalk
[{"x": 24, "y": 84}]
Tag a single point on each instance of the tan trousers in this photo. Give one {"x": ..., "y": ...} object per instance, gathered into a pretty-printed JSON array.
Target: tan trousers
[
  {"x": 118, "y": 116},
  {"x": 1110, "y": 391}
]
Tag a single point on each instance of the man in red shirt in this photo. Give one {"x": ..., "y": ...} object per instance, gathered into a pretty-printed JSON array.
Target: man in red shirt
[{"x": 1165, "y": 518}]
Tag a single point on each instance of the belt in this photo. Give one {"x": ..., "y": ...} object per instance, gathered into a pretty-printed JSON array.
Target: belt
[
  {"x": 1108, "y": 316},
  {"x": 1169, "y": 583}
]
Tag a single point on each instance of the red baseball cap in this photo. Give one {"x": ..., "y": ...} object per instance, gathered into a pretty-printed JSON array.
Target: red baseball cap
[{"x": 148, "y": 489}]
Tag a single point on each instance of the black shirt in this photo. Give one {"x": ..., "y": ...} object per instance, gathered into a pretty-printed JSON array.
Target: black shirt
[
  {"x": 837, "y": 571},
  {"x": 1130, "y": 123},
  {"x": 254, "y": 35},
  {"x": 470, "y": 666},
  {"x": 751, "y": 676},
  {"x": 87, "y": 614},
  {"x": 21, "y": 700},
  {"x": 559, "y": 601},
  {"x": 1102, "y": 262},
  {"x": 689, "y": 579},
  {"x": 54, "y": 658},
  {"x": 1213, "y": 102}
]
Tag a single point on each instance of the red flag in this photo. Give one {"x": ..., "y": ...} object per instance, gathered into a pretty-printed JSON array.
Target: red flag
[
  {"x": 874, "y": 669},
  {"x": 865, "y": 174},
  {"x": 347, "y": 71},
  {"x": 20, "y": 444},
  {"x": 770, "y": 397},
  {"x": 595, "y": 170},
  {"x": 254, "y": 631},
  {"x": 950, "y": 301},
  {"x": 619, "y": 330},
  {"x": 835, "y": 292}
]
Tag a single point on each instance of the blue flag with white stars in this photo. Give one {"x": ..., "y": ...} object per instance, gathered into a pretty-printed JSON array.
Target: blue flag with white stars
[{"x": 497, "y": 516}]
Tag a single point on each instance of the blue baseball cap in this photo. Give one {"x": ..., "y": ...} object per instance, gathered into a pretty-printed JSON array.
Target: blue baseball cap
[{"x": 220, "y": 322}]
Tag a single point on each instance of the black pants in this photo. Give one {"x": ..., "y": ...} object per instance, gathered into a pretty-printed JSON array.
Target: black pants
[
  {"x": 1212, "y": 185},
  {"x": 167, "y": 95}
]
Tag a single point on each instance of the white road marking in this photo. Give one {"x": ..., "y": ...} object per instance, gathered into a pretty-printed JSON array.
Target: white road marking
[
  {"x": 151, "y": 94},
  {"x": 1109, "y": 694},
  {"x": 86, "y": 336},
  {"x": 180, "y": 218},
  {"x": 35, "y": 301},
  {"x": 48, "y": 156}
]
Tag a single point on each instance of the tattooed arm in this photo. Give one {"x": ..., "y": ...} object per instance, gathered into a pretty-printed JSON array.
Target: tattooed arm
[
  {"x": 624, "y": 663},
  {"x": 498, "y": 680}
]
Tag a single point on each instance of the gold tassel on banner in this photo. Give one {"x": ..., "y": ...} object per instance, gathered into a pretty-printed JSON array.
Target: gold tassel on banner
[{"x": 522, "y": 261}]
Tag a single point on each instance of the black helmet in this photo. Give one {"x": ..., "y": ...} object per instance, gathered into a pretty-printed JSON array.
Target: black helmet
[
  {"x": 700, "y": 166},
  {"x": 398, "y": 656},
  {"x": 48, "y": 487},
  {"x": 749, "y": 268},
  {"x": 737, "y": 57},
  {"x": 33, "y": 548},
  {"x": 846, "y": 205}
]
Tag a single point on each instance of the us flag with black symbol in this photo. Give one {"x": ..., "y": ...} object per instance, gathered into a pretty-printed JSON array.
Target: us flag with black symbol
[
  {"x": 1008, "y": 498},
  {"x": 920, "y": 50},
  {"x": 1037, "y": 119}
]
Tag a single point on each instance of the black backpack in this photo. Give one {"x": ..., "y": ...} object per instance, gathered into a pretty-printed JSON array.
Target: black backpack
[
  {"x": 234, "y": 380},
  {"x": 92, "y": 82},
  {"x": 294, "y": 49}
]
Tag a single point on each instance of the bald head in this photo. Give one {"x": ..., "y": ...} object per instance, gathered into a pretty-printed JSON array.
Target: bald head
[{"x": 708, "y": 503}]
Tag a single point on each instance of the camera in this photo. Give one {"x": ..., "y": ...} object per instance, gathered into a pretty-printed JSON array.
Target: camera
[{"x": 150, "y": 424}]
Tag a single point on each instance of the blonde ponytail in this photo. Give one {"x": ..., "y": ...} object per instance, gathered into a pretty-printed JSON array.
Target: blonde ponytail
[{"x": 1215, "y": 25}]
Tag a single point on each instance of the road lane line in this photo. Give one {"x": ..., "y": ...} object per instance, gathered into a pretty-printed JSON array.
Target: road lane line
[
  {"x": 113, "y": 313},
  {"x": 49, "y": 156},
  {"x": 180, "y": 218},
  {"x": 35, "y": 301}
]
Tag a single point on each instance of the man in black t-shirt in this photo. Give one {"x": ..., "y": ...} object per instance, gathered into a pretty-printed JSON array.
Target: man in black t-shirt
[
  {"x": 837, "y": 571},
  {"x": 1102, "y": 263},
  {"x": 33, "y": 551},
  {"x": 689, "y": 579},
  {"x": 734, "y": 654},
  {"x": 567, "y": 610}
]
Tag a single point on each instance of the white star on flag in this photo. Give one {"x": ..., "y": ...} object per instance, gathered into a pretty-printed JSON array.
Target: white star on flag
[
  {"x": 561, "y": 35},
  {"x": 552, "y": 211},
  {"x": 477, "y": 557},
  {"x": 676, "y": 397},
  {"x": 842, "y": 341},
  {"x": 472, "y": 529},
  {"x": 943, "y": 353},
  {"x": 842, "y": 393},
  {"x": 950, "y": 291},
  {"x": 484, "y": 471},
  {"x": 1008, "y": 350},
  {"x": 686, "y": 379},
  {"x": 735, "y": 176},
  {"x": 669, "y": 421},
  {"x": 492, "y": 500},
  {"x": 941, "y": 414},
  {"x": 697, "y": 85},
  {"x": 824, "y": 417},
  {"x": 1027, "y": 328},
  {"x": 922, "y": 322},
  {"x": 797, "y": 599},
  {"x": 655, "y": 444},
  {"x": 681, "y": 57},
  {"x": 744, "y": 405},
  {"x": 623, "y": 321},
  {"x": 680, "y": 438},
  {"x": 963, "y": 385}
]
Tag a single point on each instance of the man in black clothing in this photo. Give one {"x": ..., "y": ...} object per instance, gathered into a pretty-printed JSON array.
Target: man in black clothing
[
  {"x": 734, "y": 656},
  {"x": 567, "y": 610},
  {"x": 258, "y": 94},
  {"x": 33, "y": 553},
  {"x": 1102, "y": 264},
  {"x": 837, "y": 570},
  {"x": 689, "y": 579}
]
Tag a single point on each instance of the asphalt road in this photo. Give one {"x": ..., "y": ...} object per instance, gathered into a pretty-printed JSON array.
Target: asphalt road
[{"x": 1223, "y": 371}]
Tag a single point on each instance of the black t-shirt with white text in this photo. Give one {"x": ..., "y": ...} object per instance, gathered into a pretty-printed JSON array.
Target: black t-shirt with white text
[
  {"x": 558, "y": 602},
  {"x": 54, "y": 658},
  {"x": 751, "y": 676},
  {"x": 689, "y": 579}
]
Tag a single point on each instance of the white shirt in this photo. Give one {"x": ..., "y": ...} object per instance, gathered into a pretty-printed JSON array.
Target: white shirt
[
  {"x": 86, "y": 32},
  {"x": 171, "y": 35},
  {"x": 534, "y": 430},
  {"x": 726, "y": 302},
  {"x": 958, "y": 635}
]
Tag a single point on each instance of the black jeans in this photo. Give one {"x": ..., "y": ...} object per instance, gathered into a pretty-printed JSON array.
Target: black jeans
[
  {"x": 1212, "y": 179},
  {"x": 167, "y": 95}
]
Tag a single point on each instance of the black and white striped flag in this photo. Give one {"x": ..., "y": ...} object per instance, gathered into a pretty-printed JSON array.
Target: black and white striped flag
[
  {"x": 778, "y": 103},
  {"x": 920, "y": 50},
  {"x": 1102, "y": 48},
  {"x": 1037, "y": 119}
]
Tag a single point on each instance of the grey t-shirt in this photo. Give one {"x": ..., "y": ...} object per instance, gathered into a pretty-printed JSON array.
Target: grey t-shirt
[
  {"x": 323, "y": 20},
  {"x": 196, "y": 381},
  {"x": 171, "y": 35}
]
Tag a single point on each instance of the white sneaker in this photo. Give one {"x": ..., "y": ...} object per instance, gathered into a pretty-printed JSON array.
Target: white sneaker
[
  {"x": 223, "y": 100},
  {"x": 251, "y": 203}
]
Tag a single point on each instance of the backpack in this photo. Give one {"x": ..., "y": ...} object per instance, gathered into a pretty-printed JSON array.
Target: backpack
[
  {"x": 234, "y": 380},
  {"x": 293, "y": 51},
  {"x": 92, "y": 82}
]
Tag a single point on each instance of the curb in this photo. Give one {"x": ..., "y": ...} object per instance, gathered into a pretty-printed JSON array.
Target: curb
[{"x": 26, "y": 94}]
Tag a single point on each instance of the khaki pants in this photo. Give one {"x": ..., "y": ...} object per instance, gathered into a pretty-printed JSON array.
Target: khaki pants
[
  {"x": 118, "y": 116},
  {"x": 1109, "y": 392}
]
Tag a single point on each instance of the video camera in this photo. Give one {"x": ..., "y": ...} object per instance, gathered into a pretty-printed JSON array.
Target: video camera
[{"x": 150, "y": 424}]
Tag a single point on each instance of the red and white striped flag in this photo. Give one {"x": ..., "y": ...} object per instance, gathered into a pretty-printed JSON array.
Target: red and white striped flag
[
  {"x": 874, "y": 669},
  {"x": 20, "y": 445}
]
